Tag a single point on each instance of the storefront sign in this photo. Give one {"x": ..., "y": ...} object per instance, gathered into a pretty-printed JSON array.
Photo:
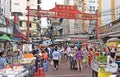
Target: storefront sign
[
  {"x": 115, "y": 27},
  {"x": 104, "y": 29},
  {"x": 78, "y": 39}
]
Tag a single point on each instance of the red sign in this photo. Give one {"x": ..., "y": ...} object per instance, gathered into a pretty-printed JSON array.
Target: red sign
[{"x": 63, "y": 11}]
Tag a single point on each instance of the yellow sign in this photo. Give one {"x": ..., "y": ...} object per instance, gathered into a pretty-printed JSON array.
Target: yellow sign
[
  {"x": 103, "y": 73},
  {"x": 86, "y": 16}
]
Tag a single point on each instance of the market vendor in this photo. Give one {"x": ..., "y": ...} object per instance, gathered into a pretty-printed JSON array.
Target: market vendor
[{"x": 3, "y": 62}]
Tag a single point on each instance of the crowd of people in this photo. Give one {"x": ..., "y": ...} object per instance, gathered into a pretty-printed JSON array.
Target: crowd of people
[{"x": 56, "y": 55}]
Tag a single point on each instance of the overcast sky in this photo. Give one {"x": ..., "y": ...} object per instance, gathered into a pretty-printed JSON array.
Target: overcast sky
[{"x": 46, "y": 5}]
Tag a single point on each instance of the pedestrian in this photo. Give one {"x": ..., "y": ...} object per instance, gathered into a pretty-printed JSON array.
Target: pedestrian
[
  {"x": 55, "y": 56},
  {"x": 45, "y": 60},
  {"x": 65, "y": 52},
  {"x": 78, "y": 56},
  {"x": 85, "y": 57},
  {"x": 3, "y": 62},
  {"x": 90, "y": 56}
]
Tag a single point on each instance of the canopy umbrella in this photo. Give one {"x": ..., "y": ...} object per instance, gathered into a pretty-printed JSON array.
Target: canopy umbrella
[{"x": 5, "y": 37}]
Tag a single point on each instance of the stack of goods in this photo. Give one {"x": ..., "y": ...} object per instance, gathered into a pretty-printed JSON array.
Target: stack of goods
[{"x": 102, "y": 59}]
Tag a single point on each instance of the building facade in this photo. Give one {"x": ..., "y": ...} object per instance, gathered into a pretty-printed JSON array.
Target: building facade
[
  {"x": 21, "y": 11},
  {"x": 77, "y": 27},
  {"x": 5, "y": 25},
  {"x": 110, "y": 11}
]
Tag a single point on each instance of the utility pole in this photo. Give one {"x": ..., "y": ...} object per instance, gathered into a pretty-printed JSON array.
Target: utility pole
[
  {"x": 28, "y": 20},
  {"x": 39, "y": 16}
]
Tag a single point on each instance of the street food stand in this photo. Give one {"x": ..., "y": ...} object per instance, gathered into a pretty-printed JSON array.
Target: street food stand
[
  {"x": 20, "y": 65},
  {"x": 103, "y": 68},
  {"x": 23, "y": 68}
]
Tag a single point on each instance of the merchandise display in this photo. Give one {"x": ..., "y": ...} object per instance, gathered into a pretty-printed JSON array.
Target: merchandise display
[
  {"x": 15, "y": 71},
  {"x": 102, "y": 66},
  {"x": 24, "y": 67}
]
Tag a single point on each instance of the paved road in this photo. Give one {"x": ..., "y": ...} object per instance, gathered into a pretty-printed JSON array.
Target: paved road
[{"x": 65, "y": 71}]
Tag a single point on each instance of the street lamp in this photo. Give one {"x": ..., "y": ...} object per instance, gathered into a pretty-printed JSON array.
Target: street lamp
[{"x": 28, "y": 20}]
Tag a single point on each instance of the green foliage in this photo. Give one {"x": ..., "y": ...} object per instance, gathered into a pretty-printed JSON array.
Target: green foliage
[{"x": 102, "y": 59}]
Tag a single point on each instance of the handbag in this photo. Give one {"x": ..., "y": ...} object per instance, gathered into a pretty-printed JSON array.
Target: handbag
[{"x": 51, "y": 63}]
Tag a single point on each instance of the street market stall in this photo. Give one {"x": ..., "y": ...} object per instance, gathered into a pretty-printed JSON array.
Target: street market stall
[
  {"x": 20, "y": 64},
  {"x": 25, "y": 67},
  {"x": 102, "y": 68}
]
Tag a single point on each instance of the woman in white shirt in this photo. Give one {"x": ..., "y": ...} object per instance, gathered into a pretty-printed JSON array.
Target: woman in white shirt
[{"x": 56, "y": 56}]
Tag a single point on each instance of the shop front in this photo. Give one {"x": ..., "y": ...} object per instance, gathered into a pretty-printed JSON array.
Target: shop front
[{"x": 110, "y": 34}]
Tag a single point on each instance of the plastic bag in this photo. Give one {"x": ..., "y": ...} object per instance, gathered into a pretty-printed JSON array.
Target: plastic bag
[
  {"x": 51, "y": 63},
  {"x": 111, "y": 68}
]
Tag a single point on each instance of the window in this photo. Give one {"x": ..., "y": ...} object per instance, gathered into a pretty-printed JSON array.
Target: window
[
  {"x": 38, "y": 1},
  {"x": 93, "y": 8},
  {"x": 30, "y": 25},
  {"x": 24, "y": 24},
  {"x": 90, "y": 8},
  {"x": 38, "y": 7},
  {"x": 75, "y": 25},
  {"x": 20, "y": 23},
  {"x": 66, "y": 1},
  {"x": 92, "y": 1}
]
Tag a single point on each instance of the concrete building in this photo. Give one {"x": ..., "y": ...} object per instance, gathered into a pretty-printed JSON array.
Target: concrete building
[
  {"x": 5, "y": 7},
  {"x": 19, "y": 7},
  {"x": 110, "y": 11},
  {"x": 77, "y": 27},
  {"x": 5, "y": 27}
]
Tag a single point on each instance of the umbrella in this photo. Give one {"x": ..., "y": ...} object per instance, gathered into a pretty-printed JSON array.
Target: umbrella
[{"x": 5, "y": 37}]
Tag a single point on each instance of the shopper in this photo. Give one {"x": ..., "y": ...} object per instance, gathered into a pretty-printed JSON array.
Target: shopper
[
  {"x": 78, "y": 56},
  {"x": 85, "y": 57},
  {"x": 3, "y": 62},
  {"x": 90, "y": 56},
  {"x": 55, "y": 56},
  {"x": 65, "y": 52}
]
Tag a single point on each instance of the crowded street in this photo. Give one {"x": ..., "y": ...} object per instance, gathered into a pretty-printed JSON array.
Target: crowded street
[{"x": 59, "y": 38}]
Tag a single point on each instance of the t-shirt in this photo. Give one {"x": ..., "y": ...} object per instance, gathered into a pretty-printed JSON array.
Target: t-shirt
[
  {"x": 56, "y": 55},
  {"x": 3, "y": 62},
  {"x": 45, "y": 56},
  {"x": 78, "y": 55}
]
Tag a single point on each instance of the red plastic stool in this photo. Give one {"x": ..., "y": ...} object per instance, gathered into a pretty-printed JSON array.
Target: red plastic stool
[{"x": 41, "y": 72}]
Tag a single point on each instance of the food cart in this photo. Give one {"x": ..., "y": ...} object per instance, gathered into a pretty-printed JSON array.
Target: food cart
[{"x": 103, "y": 68}]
